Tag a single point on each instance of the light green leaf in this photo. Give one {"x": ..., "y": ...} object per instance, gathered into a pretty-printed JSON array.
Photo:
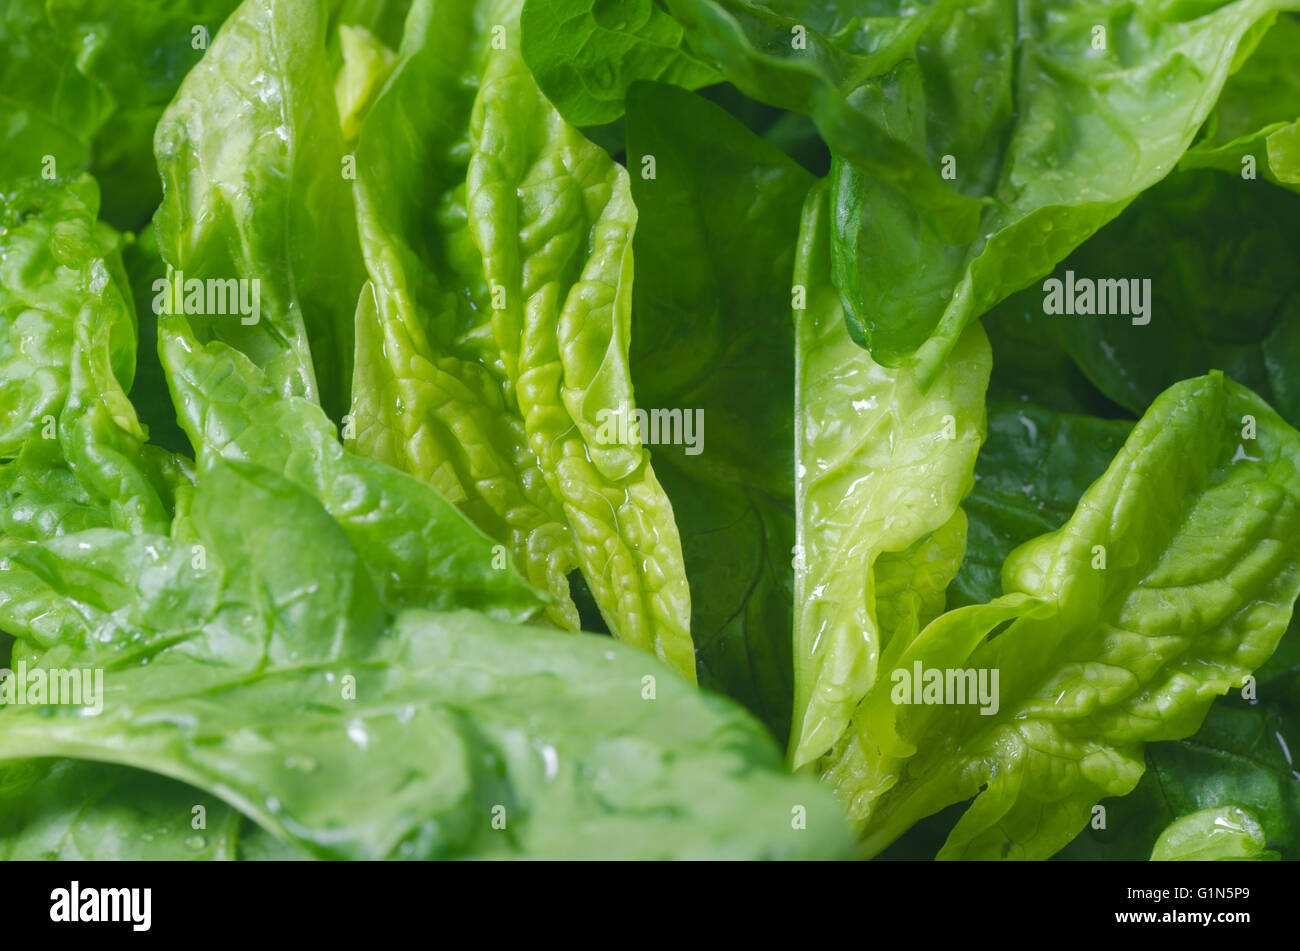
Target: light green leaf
[
  {"x": 421, "y": 550},
  {"x": 526, "y": 286},
  {"x": 54, "y": 256},
  {"x": 1173, "y": 580},
  {"x": 1258, "y": 114},
  {"x": 69, "y": 355},
  {"x": 1241, "y": 756},
  {"x": 367, "y": 64},
  {"x": 881, "y": 468},
  {"x": 552, "y": 217},
  {"x": 83, "y": 811},
  {"x": 1225, "y": 833},
  {"x": 428, "y": 735},
  {"x": 251, "y": 156},
  {"x": 417, "y": 406},
  {"x": 585, "y": 54}
]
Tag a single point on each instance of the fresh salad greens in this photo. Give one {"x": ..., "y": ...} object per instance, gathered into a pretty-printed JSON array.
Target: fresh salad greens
[
  {"x": 1226, "y": 833},
  {"x": 499, "y": 428}
]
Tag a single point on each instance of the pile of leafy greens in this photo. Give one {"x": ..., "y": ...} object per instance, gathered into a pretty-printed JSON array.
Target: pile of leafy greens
[{"x": 331, "y": 331}]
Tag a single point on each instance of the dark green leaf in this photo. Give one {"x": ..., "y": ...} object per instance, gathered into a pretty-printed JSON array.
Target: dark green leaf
[{"x": 712, "y": 336}]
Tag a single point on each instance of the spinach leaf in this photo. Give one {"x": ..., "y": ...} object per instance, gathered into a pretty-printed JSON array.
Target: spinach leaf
[
  {"x": 1098, "y": 659},
  {"x": 881, "y": 468},
  {"x": 305, "y": 455},
  {"x": 85, "y": 82},
  {"x": 494, "y": 360},
  {"x": 69, "y": 355},
  {"x": 1029, "y": 476},
  {"x": 1240, "y": 757},
  {"x": 1258, "y": 115},
  {"x": 423, "y": 551},
  {"x": 52, "y": 249},
  {"x": 585, "y": 54},
  {"x": 1062, "y": 143},
  {"x": 137, "y": 54},
  {"x": 251, "y": 156},
  {"x": 977, "y": 144},
  {"x": 1212, "y": 304},
  {"x": 1229, "y": 832},
  {"x": 85, "y": 811},
  {"x": 553, "y": 219},
  {"x": 416, "y": 404},
  {"x": 712, "y": 341},
  {"x": 352, "y": 735}
]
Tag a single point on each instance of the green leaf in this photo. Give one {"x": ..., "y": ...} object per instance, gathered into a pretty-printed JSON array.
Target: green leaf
[
  {"x": 1212, "y": 303},
  {"x": 245, "y": 385},
  {"x": 1241, "y": 756},
  {"x": 40, "y": 498},
  {"x": 415, "y": 405},
  {"x": 849, "y": 72},
  {"x": 1030, "y": 474},
  {"x": 428, "y": 735},
  {"x": 530, "y": 292},
  {"x": 585, "y": 54},
  {"x": 1031, "y": 471},
  {"x": 977, "y": 145},
  {"x": 53, "y": 256},
  {"x": 420, "y": 549},
  {"x": 83, "y": 811},
  {"x": 221, "y": 584},
  {"x": 50, "y": 110},
  {"x": 1097, "y": 660},
  {"x": 548, "y": 729},
  {"x": 712, "y": 341},
  {"x": 1228, "y": 832},
  {"x": 1083, "y": 141},
  {"x": 137, "y": 54},
  {"x": 882, "y": 466},
  {"x": 553, "y": 219},
  {"x": 84, "y": 84},
  {"x": 70, "y": 354},
  {"x": 251, "y": 156},
  {"x": 1258, "y": 114}
]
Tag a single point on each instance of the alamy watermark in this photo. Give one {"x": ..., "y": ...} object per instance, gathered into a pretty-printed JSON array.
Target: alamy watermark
[
  {"x": 947, "y": 685},
  {"x": 77, "y": 904},
  {"x": 1086, "y": 297},
  {"x": 656, "y": 427},
  {"x": 80, "y": 687},
  {"x": 212, "y": 297}
]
